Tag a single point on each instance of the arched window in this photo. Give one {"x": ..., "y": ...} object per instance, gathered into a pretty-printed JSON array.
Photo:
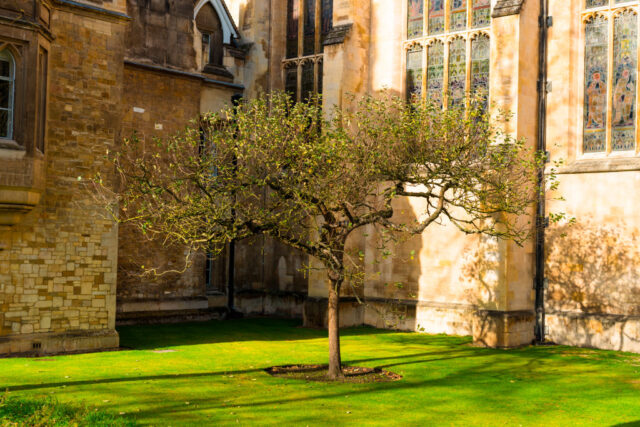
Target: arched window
[
  {"x": 210, "y": 26},
  {"x": 7, "y": 83},
  {"x": 308, "y": 23},
  {"x": 610, "y": 77},
  {"x": 457, "y": 43}
]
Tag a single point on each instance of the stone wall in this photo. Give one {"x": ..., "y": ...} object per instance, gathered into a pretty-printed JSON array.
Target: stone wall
[
  {"x": 157, "y": 104},
  {"x": 58, "y": 266}
]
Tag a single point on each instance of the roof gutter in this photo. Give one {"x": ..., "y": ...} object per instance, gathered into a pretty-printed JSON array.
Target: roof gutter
[{"x": 541, "y": 222}]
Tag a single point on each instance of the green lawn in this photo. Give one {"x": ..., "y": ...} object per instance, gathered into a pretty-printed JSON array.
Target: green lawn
[{"x": 213, "y": 374}]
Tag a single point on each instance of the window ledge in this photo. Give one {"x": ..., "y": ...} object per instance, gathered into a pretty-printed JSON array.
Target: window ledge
[
  {"x": 217, "y": 70},
  {"x": 601, "y": 165},
  {"x": 9, "y": 144}
]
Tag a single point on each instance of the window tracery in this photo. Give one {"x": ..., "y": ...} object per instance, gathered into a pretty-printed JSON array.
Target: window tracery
[
  {"x": 610, "y": 77},
  {"x": 308, "y": 24},
  {"x": 451, "y": 41}
]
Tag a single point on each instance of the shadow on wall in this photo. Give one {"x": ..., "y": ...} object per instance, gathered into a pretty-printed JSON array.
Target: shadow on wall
[
  {"x": 480, "y": 270},
  {"x": 593, "y": 298}
]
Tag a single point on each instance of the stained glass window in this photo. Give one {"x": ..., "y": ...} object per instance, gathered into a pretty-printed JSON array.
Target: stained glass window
[
  {"x": 458, "y": 15},
  {"x": 597, "y": 3},
  {"x": 457, "y": 71},
  {"x": 435, "y": 72},
  {"x": 415, "y": 19},
  {"x": 481, "y": 13},
  {"x": 625, "y": 63},
  {"x": 595, "y": 106},
  {"x": 480, "y": 61},
  {"x": 7, "y": 77},
  {"x": 309, "y": 27},
  {"x": 293, "y": 17},
  {"x": 436, "y": 17},
  {"x": 414, "y": 72}
]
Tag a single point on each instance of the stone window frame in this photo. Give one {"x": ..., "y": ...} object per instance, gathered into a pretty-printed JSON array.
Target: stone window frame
[
  {"x": 300, "y": 60},
  {"x": 609, "y": 12},
  {"x": 7, "y": 56},
  {"x": 229, "y": 33},
  {"x": 447, "y": 37}
]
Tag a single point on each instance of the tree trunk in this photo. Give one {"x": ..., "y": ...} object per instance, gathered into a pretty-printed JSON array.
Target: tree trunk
[{"x": 335, "y": 361}]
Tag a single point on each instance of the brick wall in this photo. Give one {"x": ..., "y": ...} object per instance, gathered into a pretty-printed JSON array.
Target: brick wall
[{"x": 164, "y": 104}]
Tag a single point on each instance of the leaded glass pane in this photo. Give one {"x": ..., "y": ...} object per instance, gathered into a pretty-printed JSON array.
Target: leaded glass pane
[
  {"x": 414, "y": 73},
  {"x": 291, "y": 82},
  {"x": 480, "y": 62},
  {"x": 435, "y": 72},
  {"x": 625, "y": 63},
  {"x": 5, "y": 68},
  {"x": 307, "y": 80},
  {"x": 458, "y": 16},
  {"x": 436, "y": 17},
  {"x": 595, "y": 107},
  {"x": 457, "y": 71},
  {"x": 293, "y": 18},
  {"x": 5, "y": 93},
  {"x": 4, "y": 124},
  {"x": 309, "y": 27},
  {"x": 327, "y": 17},
  {"x": 415, "y": 23},
  {"x": 596, "y": 3},
  {"x": 481, "y": 13}
]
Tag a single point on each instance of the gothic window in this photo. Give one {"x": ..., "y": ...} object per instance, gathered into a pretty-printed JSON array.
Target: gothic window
[
  {"x": 457, "y": 15},
  {"x": 436, "y": 17},
  {"x": 7, "y": 90},
  {"x": 208, "y": 22},
  {"x": 302, "y": 67},
  {"x": 415, "y": 23},
  {"x": 481, "y": 14},
  {"x": 435, "y": 72},
  {"x": 414, "y": 72},
  {"x": 610, "y": 77},
  {"x": 480, "y": 60},
  {"x": 454, "y": 36}
]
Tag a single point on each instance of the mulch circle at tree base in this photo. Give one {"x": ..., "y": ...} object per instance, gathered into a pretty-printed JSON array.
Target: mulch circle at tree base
[{"x": 352, "y": 374}]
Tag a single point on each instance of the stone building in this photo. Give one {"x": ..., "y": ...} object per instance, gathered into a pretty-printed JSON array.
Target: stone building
[{"x": 78, "y": 76}]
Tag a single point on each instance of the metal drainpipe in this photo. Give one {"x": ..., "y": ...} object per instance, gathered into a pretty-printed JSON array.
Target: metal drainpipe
[
  {"x": 540, "y": 328},
  {"x": 235, "y": 100}
]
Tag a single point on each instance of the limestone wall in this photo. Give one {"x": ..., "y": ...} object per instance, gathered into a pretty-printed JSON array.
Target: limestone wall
[
  {"x": 58, "y": 266},
  {"x": 593, "y": 270}
]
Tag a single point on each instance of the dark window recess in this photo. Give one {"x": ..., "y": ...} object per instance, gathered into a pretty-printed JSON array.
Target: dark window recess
[
  {"x": 209, "y": 24},
  {"x": 293, "y": 19},
  {"x": 7, "y": 79},
  {"x": 309, "y": 27},
  {"x": 291, "y": 82},
  {"x": 43, "y": 60}
]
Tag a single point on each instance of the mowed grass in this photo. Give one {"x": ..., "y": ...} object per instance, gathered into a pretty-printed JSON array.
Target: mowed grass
[{"x": 212, "y": 373}]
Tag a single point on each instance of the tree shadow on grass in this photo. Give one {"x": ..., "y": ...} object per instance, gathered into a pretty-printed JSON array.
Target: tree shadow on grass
[
  {"x": 491, "y": 382},
  {"x": 145, "y": 337}
]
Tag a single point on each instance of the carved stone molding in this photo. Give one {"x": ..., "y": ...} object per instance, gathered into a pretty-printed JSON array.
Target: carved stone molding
[
  {"x": 338, "y": 34},
  {"x": 507, "y": 7}
]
